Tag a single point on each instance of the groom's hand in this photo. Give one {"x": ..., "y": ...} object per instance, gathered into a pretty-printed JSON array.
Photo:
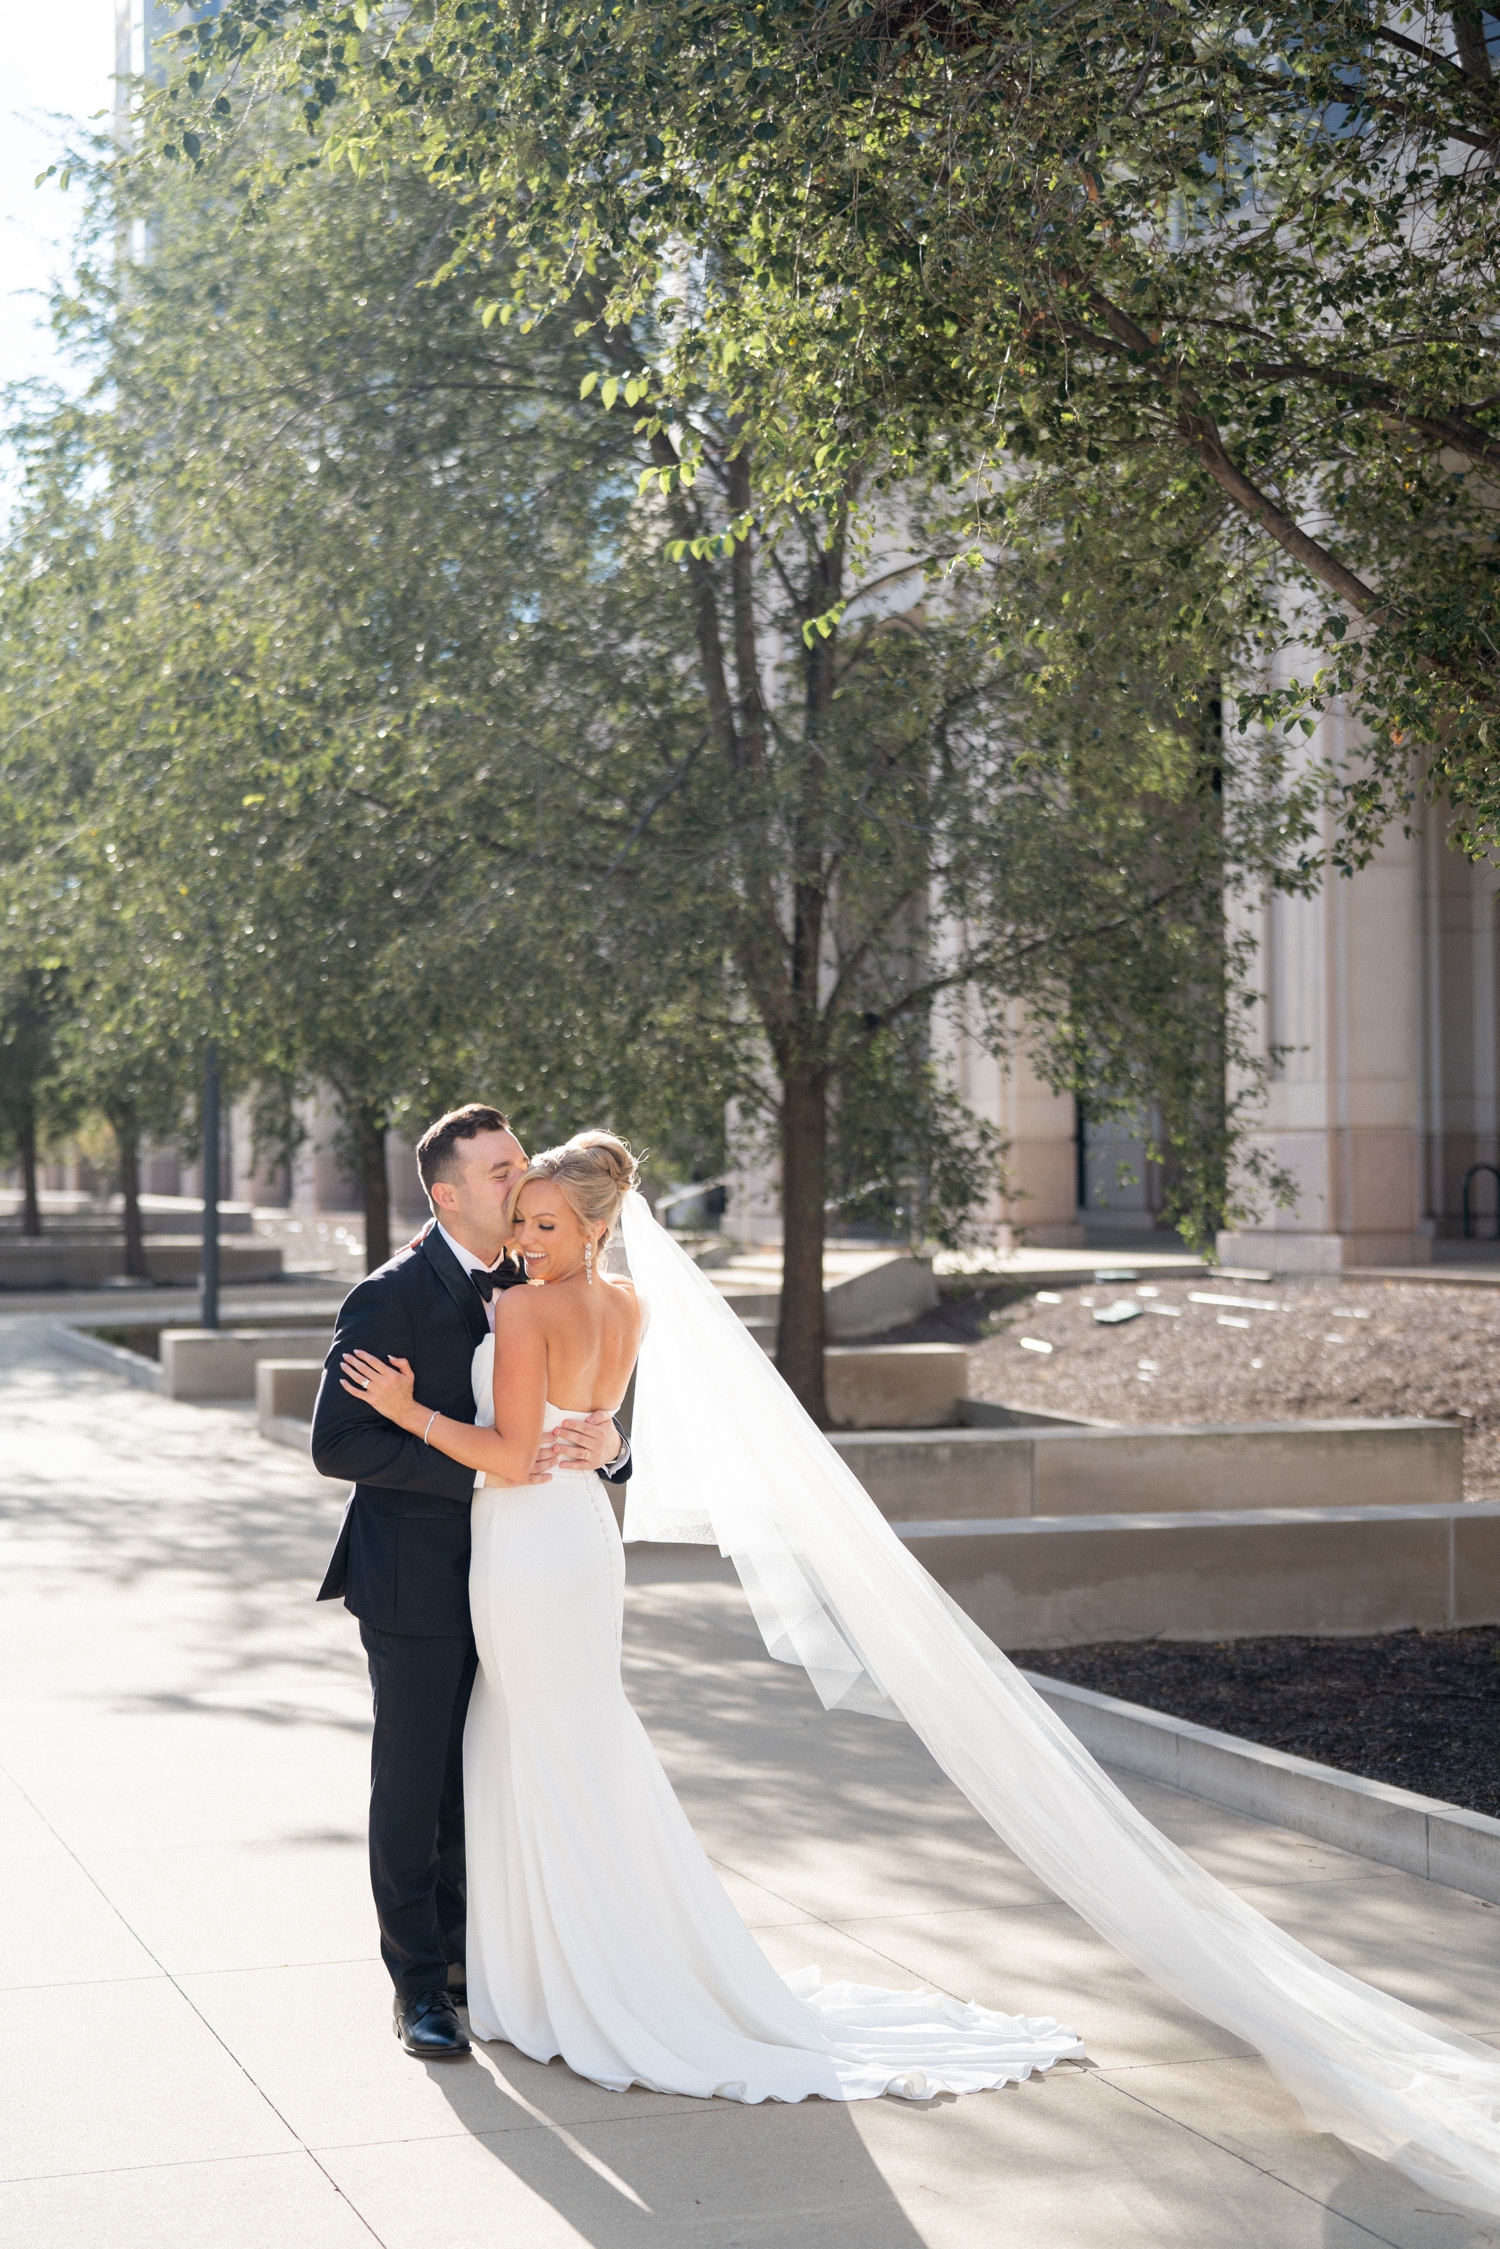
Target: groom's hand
[{"x": 581, "y": 1445}]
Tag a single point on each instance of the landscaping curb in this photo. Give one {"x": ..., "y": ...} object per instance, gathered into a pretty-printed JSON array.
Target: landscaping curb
[
  {"x": 146, "y": 1374},
  {"x": 281, "y": 1429},
  {"x": 1440, "y": 1842}
]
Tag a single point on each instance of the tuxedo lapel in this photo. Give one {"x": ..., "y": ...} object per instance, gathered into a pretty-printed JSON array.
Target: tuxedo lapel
[{"x": 456, "y": 1281}]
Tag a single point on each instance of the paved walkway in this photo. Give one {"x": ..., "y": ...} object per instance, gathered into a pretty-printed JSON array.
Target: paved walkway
[{"x": 194, "y": 2028}]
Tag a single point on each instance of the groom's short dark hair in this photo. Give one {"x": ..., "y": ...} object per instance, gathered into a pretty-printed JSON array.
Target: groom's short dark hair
[{"x": 437, "y": 1156}]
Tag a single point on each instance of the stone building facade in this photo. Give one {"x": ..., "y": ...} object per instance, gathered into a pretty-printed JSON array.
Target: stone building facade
[{"x": 1379, "y": 1021}]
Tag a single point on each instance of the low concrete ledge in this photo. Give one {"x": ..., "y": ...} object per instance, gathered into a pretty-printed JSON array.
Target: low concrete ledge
[
  {"x": 1066, "y": 1581},
  {"x": 1419, "y": 1834},
  {"x": 1094, "y": 1471},
  {"x": 221, "y": 1362},
  {"x": 286, "y": 1391},
  {"x": 864, "y": 1292},
  {"x": 62, "y": 1262},
  {"x": 895, "y": 1385},
  {"x": 95, "y": 1352},
  {"x": 890, "y": 1291}
]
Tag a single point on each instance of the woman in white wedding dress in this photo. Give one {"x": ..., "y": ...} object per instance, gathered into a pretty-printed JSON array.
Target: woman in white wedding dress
[{"x": 597, "y": 1929}]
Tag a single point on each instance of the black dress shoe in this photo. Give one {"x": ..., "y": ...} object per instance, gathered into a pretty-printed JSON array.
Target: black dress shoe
[{"x": 428, "y": 2027}]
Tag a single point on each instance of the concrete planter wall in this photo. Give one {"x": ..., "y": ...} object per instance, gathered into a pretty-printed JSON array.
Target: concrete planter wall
[
  {"x": 68, "y": 1262},
  {"x": 864, "y": 1292},
  {"x": 1000, "y": 1473},
  {"x": 160, "y": 1214},
  {"x": 1441, "y": 1842},
  {"x": 199, "y": 1363},
  {"x": 1066, "y": 1581},
  {"x": 895, "y": 1386}
]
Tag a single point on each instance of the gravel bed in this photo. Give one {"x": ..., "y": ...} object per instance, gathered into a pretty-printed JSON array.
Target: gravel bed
[
  {"x": 1327, "y": 1349},
  {"x": 1418, "y": 1709}
]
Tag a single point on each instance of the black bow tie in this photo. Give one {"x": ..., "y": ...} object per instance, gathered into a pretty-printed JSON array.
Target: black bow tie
[{"x": 488, "y": 1279}]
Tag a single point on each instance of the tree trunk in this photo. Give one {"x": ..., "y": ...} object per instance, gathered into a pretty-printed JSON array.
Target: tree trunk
[
  {"x": 369, "y": 1141},
  {"x": 128, "y": 1141},
  {"x": 804, "y": 1141},
  {"x": 31, "y": 1209}
]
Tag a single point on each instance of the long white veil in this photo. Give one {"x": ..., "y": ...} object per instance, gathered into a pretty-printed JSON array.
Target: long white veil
[{"x": 725, "y": 1455}]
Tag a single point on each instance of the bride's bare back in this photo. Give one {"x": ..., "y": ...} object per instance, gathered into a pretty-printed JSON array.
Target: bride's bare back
[{"x": 592, "y": 1332}]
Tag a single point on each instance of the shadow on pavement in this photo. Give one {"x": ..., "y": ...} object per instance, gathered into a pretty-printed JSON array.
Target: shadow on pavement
[{"x": 774, "y": 2173}]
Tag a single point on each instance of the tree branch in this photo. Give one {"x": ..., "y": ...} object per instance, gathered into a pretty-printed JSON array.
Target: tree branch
[{"x": 1198, "y": 429}]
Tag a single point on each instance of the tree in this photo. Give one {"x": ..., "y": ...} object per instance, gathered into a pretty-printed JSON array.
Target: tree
[
  {"x": 279, "y": 576},
  {"x": 31, "y": 1004},
  {"x": 125, "y": 1051},
  {"x": 761, "y": 791},
  {"x": 1251, "y": 242}
]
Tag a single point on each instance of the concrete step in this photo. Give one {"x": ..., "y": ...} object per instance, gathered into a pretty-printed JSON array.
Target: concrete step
[
  {"x": 864, "y": 1291},
  {"x": 170, "y": 1215},
  {"x": 67, "y": 1262},
  {"x": 286, "y": 1390},
  {"x": 961, "y": 1474},
  {"x": 913, "y": 1385},
  {"x": 1063, "y": 1582},
  {"x": 894, "y": 1385},
  {"x": 221, "y": 1363}
]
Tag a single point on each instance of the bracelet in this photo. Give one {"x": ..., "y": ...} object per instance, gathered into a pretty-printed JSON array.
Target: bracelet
[{"x": 431, "y": 1418}]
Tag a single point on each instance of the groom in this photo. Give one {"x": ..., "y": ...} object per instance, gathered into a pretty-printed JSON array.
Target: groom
[{"x": 402, "y": 1557}]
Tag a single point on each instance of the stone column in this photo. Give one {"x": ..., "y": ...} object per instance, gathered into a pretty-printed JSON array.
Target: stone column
[
  {"x": 1460, "y": 1050},
  {"x": 1342, "y": 976},
  {"x": 1036, "y": 1201}
]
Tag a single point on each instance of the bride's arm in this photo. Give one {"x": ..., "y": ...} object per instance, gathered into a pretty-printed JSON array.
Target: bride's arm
[{"x": 506, "y": 1452}]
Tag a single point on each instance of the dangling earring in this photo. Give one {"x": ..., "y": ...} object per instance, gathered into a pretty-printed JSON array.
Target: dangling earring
[{"x": 588, "y": 1263}]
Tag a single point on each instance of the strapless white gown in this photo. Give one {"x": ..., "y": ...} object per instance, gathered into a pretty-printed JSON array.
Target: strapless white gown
[{"x": 597, "y": 1928}]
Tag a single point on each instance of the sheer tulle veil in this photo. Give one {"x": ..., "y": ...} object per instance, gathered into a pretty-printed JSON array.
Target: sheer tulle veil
[{"x": 725, "y": 1455}]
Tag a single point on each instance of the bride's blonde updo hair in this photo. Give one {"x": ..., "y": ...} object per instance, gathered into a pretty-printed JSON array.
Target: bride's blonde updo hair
[{"x": 595, "y": 1170}]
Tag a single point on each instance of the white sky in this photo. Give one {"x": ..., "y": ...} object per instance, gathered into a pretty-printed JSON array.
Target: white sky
[{"x": 58, "y": 57}]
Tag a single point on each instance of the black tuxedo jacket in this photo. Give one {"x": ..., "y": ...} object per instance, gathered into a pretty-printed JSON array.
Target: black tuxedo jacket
[{"x": 401, "y": 1561}]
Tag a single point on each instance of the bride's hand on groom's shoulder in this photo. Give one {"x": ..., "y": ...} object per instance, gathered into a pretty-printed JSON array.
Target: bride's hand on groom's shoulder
[{"x": 387, "y": 1385}]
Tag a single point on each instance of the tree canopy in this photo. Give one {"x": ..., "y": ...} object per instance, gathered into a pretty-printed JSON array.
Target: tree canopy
[{"x": 1232, "y": 266}]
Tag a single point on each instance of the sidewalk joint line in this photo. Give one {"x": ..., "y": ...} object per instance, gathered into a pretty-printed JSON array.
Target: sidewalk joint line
[
  {"x": 187, "y": 2001},
  {"x": 1249, "y": 2161}
]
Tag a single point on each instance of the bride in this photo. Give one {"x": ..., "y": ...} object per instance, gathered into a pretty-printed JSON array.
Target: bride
[{"x": 597, "y": 1928}]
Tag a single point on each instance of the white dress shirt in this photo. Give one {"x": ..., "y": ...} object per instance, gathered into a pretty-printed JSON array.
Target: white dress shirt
[{"x": 473, "y": 1264}]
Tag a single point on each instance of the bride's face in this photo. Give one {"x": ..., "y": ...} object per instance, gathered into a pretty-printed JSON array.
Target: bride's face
[{"x": 549, "y": 1234}]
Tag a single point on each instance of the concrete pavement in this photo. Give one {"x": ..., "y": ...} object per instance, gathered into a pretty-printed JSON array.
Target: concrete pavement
[{"x": 194, "y": 2024}]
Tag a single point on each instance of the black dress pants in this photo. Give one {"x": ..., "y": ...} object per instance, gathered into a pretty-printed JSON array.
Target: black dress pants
[{"x": 421, "y": 1687}]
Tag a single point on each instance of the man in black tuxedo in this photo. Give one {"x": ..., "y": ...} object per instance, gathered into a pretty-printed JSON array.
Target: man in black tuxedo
[{"x": 402, "y": 1557}]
